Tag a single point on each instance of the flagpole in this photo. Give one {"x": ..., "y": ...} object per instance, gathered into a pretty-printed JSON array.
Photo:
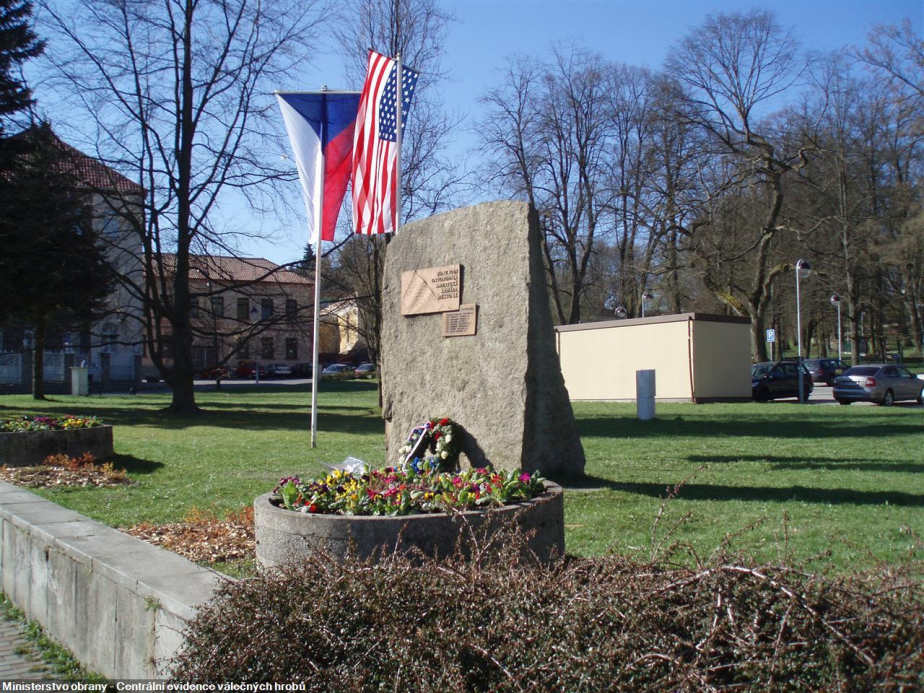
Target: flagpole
[
  {"x": 315, "y": 342},
  {"x": 398, "y": 137}
]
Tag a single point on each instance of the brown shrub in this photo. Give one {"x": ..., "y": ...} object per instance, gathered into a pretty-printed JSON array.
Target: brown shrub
[{"x": 501, "y": 623}]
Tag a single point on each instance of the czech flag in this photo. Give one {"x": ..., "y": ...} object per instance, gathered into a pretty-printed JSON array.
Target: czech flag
[{"x": 320, "y": 126}]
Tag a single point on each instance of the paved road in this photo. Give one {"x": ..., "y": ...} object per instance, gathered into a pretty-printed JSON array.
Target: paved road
[{"x": 823, "y": 395}]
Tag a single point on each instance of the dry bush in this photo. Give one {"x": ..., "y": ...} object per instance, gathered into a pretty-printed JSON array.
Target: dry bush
[{"x": 502, "y": 623}]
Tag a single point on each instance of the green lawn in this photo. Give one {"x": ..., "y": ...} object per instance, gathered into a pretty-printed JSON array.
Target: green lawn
[{"x": 799, "y": 479}]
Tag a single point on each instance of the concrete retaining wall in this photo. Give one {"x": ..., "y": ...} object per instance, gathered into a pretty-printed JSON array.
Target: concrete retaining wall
[
  {"x": 32, "y": 447},
  {"x": 283, "y": 535},
  {"x": 118, "y": 603}
]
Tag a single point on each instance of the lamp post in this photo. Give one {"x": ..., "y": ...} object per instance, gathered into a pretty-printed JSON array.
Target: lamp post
[
  {"x": 647, "y": 296},
  {"x": 803, "y": 270},
  {"x": 254, "y": 313},
  {"x": 836, "y": 302}
]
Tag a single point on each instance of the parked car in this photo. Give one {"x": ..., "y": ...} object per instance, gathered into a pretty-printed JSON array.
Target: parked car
[
  {"x": 150, "y": 374},
  {"x": 882, "y": 383},
  {"x": 215, "y": 373},
  {"x": 248, "y": 369},
  {"x": 279, "y": 370},
  {"x": 337, "y": 371},
  {"x": 302, "y": 370},
  {"x": 365, "y": 370},
  {"x": 825, "y": 370},
  {"x": 776, "y": 379}
]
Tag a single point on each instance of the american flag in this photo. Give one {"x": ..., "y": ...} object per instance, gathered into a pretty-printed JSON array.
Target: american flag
[{"x": 375, "y": 152}]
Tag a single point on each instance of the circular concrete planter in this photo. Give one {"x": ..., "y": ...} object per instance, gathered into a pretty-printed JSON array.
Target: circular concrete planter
[
  {"x": 30, "y": 448},
  {"x": 284, "y": 536}
]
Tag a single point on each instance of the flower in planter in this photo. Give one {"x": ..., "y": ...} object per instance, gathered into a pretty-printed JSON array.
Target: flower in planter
[
  {"x": 390, "y": 491},
  {"x": 48, "y": 423}
]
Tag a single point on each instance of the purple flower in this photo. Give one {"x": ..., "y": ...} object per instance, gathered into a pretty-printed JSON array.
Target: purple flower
[{"x": 524, "y": 477}]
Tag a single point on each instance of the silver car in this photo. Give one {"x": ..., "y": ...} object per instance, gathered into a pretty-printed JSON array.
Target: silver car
[{"x": 878, "y": 382}]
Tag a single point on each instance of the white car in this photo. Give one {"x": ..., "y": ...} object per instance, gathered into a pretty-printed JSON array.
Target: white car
[
  {"x": 337, "y": 371},
  {"x": 279, "y": 370}
]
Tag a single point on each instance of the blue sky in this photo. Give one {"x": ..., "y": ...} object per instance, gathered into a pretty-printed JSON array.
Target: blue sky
[{"x": 630, "y": 31}]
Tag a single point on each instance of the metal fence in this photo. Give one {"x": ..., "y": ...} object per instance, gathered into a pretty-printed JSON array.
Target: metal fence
[
  {"x": 10, "y": 369},
  {"x": 122, "y": 366},
  {"x": 53, "y": 364}
]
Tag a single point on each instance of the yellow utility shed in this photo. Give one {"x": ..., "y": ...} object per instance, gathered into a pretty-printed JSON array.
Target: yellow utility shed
[{"x": 696, "y": 357}]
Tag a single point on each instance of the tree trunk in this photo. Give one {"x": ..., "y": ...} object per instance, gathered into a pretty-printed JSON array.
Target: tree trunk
[
  {"x": 184, "y": 399},
  {"x": 38, "y": 362},
  {"x": 758, "y": 345},
  {"x": 180, "y": 375}
]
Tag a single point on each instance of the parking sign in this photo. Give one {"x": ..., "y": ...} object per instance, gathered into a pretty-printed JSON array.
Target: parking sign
[{"x": 771, "y": 335}]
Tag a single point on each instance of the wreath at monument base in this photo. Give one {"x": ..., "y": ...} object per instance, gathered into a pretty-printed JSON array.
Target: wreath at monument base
[{"x": 438, "y": 437}]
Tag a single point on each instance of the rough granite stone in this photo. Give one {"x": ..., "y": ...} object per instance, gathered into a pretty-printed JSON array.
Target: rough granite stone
[{"x": 503, "y": 385}]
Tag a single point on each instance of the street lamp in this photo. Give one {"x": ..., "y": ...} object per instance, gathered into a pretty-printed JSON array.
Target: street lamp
[
  {"x": 836, "y": 302},
  {"x": 254, "y": 314},
  {"x": 803, "y": 270},
  {"x": 647, "y": 296}
]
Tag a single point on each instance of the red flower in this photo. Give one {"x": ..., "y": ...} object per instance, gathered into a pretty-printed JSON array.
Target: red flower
[
  {"x": 312, "y": 508},
  {"x": 437, "y": 435},
  {"x": 443, "y": 422}
]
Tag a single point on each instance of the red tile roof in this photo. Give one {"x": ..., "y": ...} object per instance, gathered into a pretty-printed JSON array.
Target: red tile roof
[
  {"x": 94, "y": 173},
  {"x": 238, "y": 269}
]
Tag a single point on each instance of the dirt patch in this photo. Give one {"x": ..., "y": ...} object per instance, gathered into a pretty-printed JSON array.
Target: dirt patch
[
  {"x": 63, "y": 470},
  {"x": 203, "y": 537}
]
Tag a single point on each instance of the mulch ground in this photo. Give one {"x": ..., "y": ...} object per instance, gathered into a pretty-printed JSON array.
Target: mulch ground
[
  {"x": 202, "y": 537},
  {"x": 52, "y": 475}
]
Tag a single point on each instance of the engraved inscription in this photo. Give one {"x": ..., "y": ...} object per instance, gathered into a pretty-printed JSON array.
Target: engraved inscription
[
  {"x": 431, "y": 290},
  {"x": 461, "y": 323}
]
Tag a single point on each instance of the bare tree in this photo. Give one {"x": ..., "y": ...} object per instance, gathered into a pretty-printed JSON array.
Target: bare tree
[
  {"x": 732, "y": 69},
  {"x": 897, "y": 54},
  {"x": 430, "y": 180},
  {"x": 545, "y": 130},
  {"x": 176, "y": 93}
]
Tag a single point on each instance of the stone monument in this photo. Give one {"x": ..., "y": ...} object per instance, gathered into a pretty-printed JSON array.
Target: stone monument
[{"x": 467, "y": 334}]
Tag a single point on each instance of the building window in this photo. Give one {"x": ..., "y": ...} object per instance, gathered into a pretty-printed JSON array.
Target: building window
[
  {"x": 291, "y": 308},
  {"x": 291, "y": 348},
  {"x": 266, "y": 348},
  {"x": 109, "y": 335},
  {"x": 110, "y": 223},
  {"x": 243, "y": 351},
  {"x": 194, "y": 306},
  {"x": 243, "y": 309},
  {"x": 218, "y": 306},
  {"x": 267, "y": 308}
]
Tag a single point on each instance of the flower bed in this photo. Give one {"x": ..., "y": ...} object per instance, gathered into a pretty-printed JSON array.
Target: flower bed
[
  {"x": 419, "y": 505},
  {"x": 67, "y": 422},
  {"x": 283, "y": 536},
  {"x": 28, "y": 441},
  {"x": 392, "y": 491}
]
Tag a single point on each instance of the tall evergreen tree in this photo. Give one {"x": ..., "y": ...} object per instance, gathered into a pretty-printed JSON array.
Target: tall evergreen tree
[
  {"x": 18, "y": 43},
  {"x": 51, "y": 255}
]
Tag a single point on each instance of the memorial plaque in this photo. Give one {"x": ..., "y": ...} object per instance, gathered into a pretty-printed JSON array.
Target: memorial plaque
[
  {"x": 431, "y": 290},
  {"x": 461, "y": 323}
]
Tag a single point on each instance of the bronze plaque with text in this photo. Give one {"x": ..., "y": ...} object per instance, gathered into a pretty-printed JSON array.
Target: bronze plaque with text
[
  {"x": 461, "y": 323},
  {"x": 431, "y": 290}
]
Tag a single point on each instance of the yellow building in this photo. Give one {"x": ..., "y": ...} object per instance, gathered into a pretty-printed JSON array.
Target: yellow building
[{"x": 696, "y": 357}]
